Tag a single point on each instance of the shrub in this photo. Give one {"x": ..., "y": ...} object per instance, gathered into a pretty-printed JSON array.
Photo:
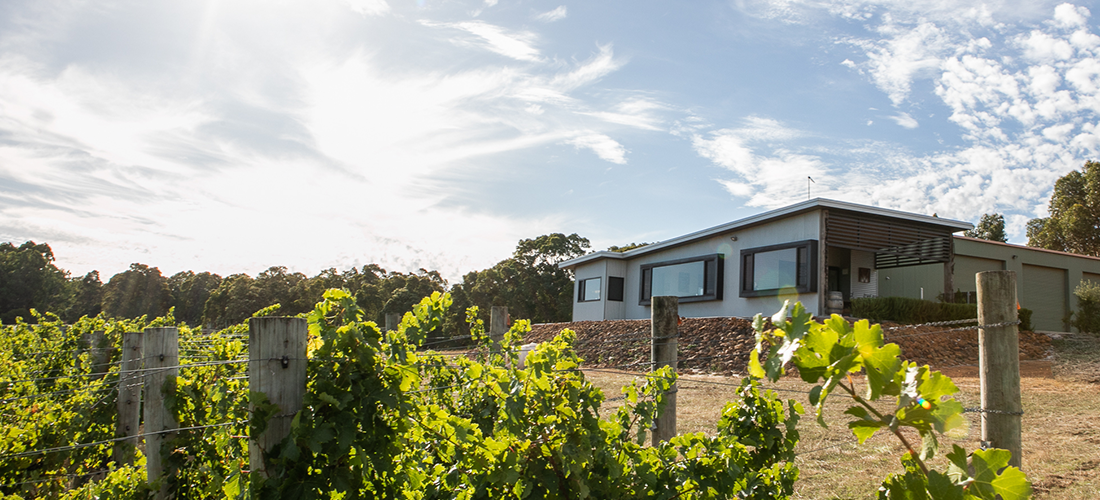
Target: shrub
[
  {"x": 1088, "y": 307},
  {"x": 910, "y": 311},
  {"x": 1025, "y": 318}
]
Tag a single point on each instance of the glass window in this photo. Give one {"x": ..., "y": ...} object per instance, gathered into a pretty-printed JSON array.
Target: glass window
[
  {"x": 679, "y": 280},
  {"x": 589, "y": 290},
  {"x": 775, "y": 269},
  {"x": 692, "y": 279},
  {"x": 770, "y": 270}
]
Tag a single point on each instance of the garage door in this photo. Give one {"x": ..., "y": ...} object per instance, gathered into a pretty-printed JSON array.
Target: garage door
[{"x": 1044, "y": 292}]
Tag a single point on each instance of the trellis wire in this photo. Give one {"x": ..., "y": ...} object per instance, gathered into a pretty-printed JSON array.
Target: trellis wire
[{"x": 114, "y": 440}]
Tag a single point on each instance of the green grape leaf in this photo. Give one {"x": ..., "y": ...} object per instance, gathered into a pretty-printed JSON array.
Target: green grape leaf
[
  {"x": 936, "y": 385},
  {"x": 882, "y": 364},
  {"x": 958, "y": 470},
  {"x": 815, "y": 395},
  {"x": 1010, "y": 484},
  {"x": 755, "y": 370},
  {"x": 929, "y": 445},
  {"x": 864, "y": 429},
  {"x": 940, "y": 487}
]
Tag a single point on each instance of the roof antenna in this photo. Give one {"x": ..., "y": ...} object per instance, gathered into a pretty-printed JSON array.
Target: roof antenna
[{"x": 808, "y": 181}]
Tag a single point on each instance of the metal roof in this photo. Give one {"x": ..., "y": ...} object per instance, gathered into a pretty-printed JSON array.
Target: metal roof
[{"x": 762, "y": 218}]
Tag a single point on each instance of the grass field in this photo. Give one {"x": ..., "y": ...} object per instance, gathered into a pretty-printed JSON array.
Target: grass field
[{"x": 1061, "y": 426}]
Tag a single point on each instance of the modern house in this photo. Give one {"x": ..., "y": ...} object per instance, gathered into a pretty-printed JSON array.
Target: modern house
[{"x": 804, "y": 250}]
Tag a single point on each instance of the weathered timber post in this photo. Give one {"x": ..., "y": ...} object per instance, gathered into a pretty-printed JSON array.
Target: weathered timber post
[
  {"x": 129, "y": 399},
  {"x": 160, "y": 352},
  {"x": 94, "y": 344},
  {"x": 392, "y": 320},
  {"x": 276, "y": 368},
  {"x": 999, "y": 361},
  {"x": 664, "y": 322},
  {"x": 498, "y": 324}
]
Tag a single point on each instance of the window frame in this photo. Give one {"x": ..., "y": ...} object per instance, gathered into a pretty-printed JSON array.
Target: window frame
[
  {"x": 747, "y": 269},
  {"x": 581, "y": 289},
  {"x": 713, "y": 274}
]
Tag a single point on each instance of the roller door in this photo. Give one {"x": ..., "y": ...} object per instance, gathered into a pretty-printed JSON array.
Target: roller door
[{"x": 1044, "y": 292}]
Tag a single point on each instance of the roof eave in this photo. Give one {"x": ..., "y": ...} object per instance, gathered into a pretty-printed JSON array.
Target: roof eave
[{"x": 786, "y": 211}]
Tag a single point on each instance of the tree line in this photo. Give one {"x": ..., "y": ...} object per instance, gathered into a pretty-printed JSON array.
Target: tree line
[{"x": 529, "y": 283}]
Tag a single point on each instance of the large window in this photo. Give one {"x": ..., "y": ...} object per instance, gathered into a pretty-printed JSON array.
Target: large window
[
  {"x": 589, "y": 290},
  {"x": 777, "y": 269},
  {"x": 692, "y": 280}
]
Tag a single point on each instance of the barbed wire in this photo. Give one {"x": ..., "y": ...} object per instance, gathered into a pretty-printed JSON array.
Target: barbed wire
[
  {"x": 934, "y": 323},
  {"x": 965, "y": 328}
]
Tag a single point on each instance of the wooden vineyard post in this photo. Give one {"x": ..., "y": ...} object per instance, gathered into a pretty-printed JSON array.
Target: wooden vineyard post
[
  {"x": 160, "y": 352},
  {"x": 664, "y": 322},
  {"x": 129, "y": 399},
  {"x": 392, "y": 320},
  {"x": 498, "y": 324},
  {"x": 999, "y": 361},
  {"x": 276, "y": 368},
  {"x": 95, "y": 344}
]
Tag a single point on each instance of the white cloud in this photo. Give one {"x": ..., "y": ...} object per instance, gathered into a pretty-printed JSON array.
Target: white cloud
[
  {"x": 906, "y": 53},
  {"x": 638, "y": 112},
  {"x": 116, "y": 168},
  {"x": 553, "y": 15},
  {"x": 604, "y": 147},
  {"x": 905, "y": 120},
  {"x": 369, "y": 7},
  {"x": 517, "y": 45},
  {"x": 766, "y": 180},
  {"x": 1044, "y": 48},
  {"x": 1071, "y": 16},
  {"x": 598, "y": 66}
]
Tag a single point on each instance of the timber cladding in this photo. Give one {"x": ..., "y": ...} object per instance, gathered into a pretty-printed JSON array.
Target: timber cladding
[{"x": 895, "y": 242}]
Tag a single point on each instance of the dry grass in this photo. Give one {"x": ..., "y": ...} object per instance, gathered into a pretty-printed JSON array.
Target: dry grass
[{"x": 1061, "y": 439}]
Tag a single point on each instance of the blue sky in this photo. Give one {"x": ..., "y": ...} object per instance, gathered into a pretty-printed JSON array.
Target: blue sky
[{"x": 233, "y": 135}]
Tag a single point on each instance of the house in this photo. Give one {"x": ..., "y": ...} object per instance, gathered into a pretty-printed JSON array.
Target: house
[{"x": 802, "y": 251}]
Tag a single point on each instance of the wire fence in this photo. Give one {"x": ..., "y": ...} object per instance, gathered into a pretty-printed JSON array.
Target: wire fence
[{"x": 199, "y": 357}]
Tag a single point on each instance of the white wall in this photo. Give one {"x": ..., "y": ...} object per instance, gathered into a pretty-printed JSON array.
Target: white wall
[
  {"x": 594, "y": 310},
  {"x": 867, "y": 260}
]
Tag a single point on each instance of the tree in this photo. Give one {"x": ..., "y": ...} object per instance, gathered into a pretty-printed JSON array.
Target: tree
[
  {"x": 1074, "y": 221},
  {"x": 239, "y": 296},
  {"x": 625, "y": 248},
  {"x": 29, "y": 279},
  {"x": 138, "y": 291},
  {"x": 991, "y": 227},
  {"x": 189, "y": 293},
  {"x": 87, "y": 297},
  {"x": 530, "y": 283}
]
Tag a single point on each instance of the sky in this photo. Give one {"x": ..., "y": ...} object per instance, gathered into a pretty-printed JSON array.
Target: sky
[{"x": 234, "y": 135}]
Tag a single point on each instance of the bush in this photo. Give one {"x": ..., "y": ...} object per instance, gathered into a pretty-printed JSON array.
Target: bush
[
  {"x": 1025, "y": 318},
  {"x": 910, "y": 311},
  {"x": 1088, "y": 307}
]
